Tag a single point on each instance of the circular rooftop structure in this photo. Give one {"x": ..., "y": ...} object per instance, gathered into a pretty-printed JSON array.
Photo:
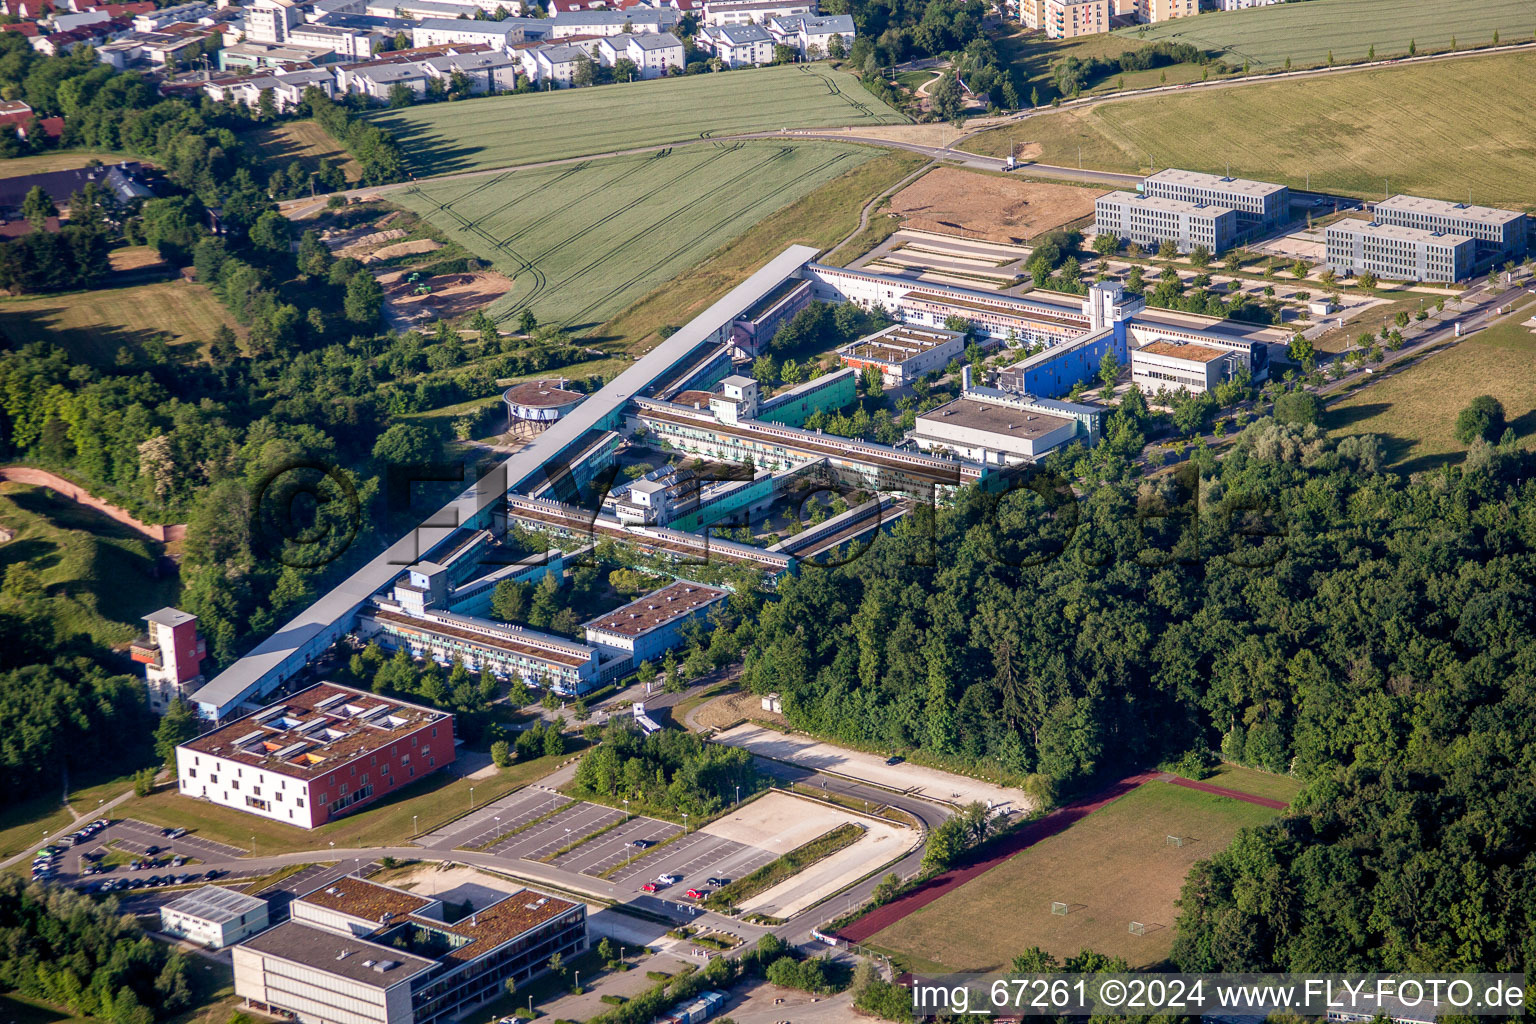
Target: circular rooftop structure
[{"x": 535, "y": 405}]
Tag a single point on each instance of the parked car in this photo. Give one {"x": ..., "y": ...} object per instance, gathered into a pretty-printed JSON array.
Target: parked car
[
  {"x": 668, "y": 879},
  {"x": 642, "y": 844},
  {"x": 895, "y": 759},
  {"x": 151, "y": 851},
  {"x": 178, "y": 861},
  {"x": 697, "y": 894},
  {"x": 174, "y": 833},
  {"x": 718, "y": 882},
  {"x": 650, "y": 887},
  {"x": 215, "y": 873}
]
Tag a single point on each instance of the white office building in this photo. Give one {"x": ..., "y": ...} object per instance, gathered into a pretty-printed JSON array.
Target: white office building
[
  {"x": 1260, "y": 205},
  {"x": 1500, "y": 234},
  {"x": 1150, "y": 220},
  {"x": 214, "y": 917},
  {"x": 1400, "y": 253}
]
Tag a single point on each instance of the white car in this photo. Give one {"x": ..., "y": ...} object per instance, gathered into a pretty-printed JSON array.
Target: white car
[{"x": 667, "y": 879}]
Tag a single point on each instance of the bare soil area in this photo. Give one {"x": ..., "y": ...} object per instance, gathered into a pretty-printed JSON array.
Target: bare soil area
[
  {"x": 949, "y": 199},
  {"x": 452, "y": 295}
]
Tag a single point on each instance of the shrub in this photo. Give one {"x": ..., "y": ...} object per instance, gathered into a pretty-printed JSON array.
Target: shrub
[{"x": 1483, "y": 418}]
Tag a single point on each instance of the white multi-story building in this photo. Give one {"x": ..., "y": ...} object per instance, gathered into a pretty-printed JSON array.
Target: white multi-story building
[
  {"x": 1068, "y": 19},
  {"x": 904, "y": 352},
  {"x": 440, "y": 31},
  {"x": 635, "y": 20},
  {"x": 1500, "y": 234},
  {"x": 214, "y": 917},
  {"x": 152, "y": 20},
  {"x": 378, "y": 81},
  {"x": 556, "y": 63},
  {"x": 172, "y": 654},
  {"x": 811, "y": 35},
  {"x": 654, "y": 54},
  {"x": 1260, "y": 205},
  {"x": 996, "y": 428},
  {"x": 739, "y": 46},
  {"x": 1238, "y": 5},
  {"x": 649, "y": 626},
  {"x": 491, "y": 71},
  {"x": 1403, "y": 254},
  {"x": 755, "y": 12},
  {"x": 352, "y": 43},
  {"x": 269, "y": 21},
  {"x": 1189, "y": 366},
  {"x": 1152, "y": 220}
]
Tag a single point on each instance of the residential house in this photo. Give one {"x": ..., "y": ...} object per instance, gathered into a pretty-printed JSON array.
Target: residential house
[
  {"x": 611, "y": 23},
  {"x": 810, "y": 35},
  {"x": 554, "y": 64},
  {"x": 654, "y": 54},
  {"x": 739, "y": 46},
  {"x": 487, "y": 72},
  {"x": 435, "y": 31},
  {"x": 753, "y": 12},
  {"x": 149, "y": 21}
]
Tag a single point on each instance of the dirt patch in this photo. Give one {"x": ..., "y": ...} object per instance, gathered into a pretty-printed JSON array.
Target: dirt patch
[
  {"x": 367, "y": 243},
  {"x": 414, "y": 246},
  {"x": 954, "y": 201},
  {"x": 732, "y": 709},
  {"x": 452, "y": 295}
]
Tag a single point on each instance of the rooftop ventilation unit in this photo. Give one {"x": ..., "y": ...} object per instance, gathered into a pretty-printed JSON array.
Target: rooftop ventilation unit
[
  {"x": 343, "y": 954},
  {"x": 386, "y": 965}
]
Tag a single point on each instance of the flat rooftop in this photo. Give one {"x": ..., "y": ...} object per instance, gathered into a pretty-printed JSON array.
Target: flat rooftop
[
  {"x": 367, "y": 900},
  {"x": 314, "y": 730},
  {"x": 897, "y": 344},
  {"x": 1242, "y": 186},
  {"x": 216, "y": 904},
  {"x": 1441, "y": 208},
  {"x": 500, "y": 922},
  {"x": 1021, "y": 310},
  {"x": 657, "y": 609},
  {"x": 1164, "y": 203},
  {"x": 1375, "y": 229},
  {"x": 1019, "y": 424},
  {"x": 356, "y": 960},
  {"x": 1214, "y": 327},
  {"x": 1173, "y": 350},
  {"x": 495, "y": 641},
  {"x": 542, "y": 394}
]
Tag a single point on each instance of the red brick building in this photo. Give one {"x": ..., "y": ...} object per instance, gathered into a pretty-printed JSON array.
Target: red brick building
[{"x": 320, "y": 754}]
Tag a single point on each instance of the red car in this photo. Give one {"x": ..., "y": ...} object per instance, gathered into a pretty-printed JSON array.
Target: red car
[
  {"x": 697, "y": 894},
  {"x": 650, "y": 887}
]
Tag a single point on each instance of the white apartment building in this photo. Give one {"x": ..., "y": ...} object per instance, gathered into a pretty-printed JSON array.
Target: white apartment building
[
  {"x": 654, "y": 54},
  {"x": 349, "y": 42},
  {"x": 1151, "y": 220},
  {"x": 739, "y": 46},
  {"x": 634, "y": 21},
  {"x": 555, "y": 63},
  {"x": 214, "y": 917},
  {"x": 1403, "y": 254},
  {"x": 811, "y": 35},
  {"x": 377, "y": 82},
  {"x": 443, "y": 31},
  {"x": 269, "y": 21},
  {"x": 1238, "y": 5},
  {"x": 152, "y": 20},
  {"x": 755, "y": 12},
  {"x": 491, "y": 71}
]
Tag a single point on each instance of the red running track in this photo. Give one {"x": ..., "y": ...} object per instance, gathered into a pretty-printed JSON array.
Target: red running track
[
  {"x": 1053, "y": 823},
  {"x": 1247, "y": 798}
]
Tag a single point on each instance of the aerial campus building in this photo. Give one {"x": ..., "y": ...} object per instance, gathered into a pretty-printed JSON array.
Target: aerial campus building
[
  {"x": 315, "y": 755},
  {"x": 214, "y": 916},
  {"x": 1150, "y": 220},
  {"x": 429, "y": 592},
  {"x": 1402, "y": 253},
  {"x": 1499, "y": 234},
  {"x": 358, "y": 952},
  {"x": 1261, "y": 206}
]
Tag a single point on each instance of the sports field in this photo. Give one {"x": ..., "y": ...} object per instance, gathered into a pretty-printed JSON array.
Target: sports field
[
  {"x": 1111, "y": 868},
  {"x": 502, "y": 131},
  {"x": 1447, "y": 129},
  {"x": 1306, "y": 33},
  {"x": 1414, "y": 411},
  {"x": 583, "y": 241},
  {"x": 92, "y": 326}
]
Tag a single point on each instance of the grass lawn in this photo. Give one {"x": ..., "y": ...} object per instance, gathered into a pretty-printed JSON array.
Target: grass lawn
[
  {"x": 1255, "y": 783},
  {"x": 501, "y": 131},
  {"x": 93, "y": 326},
  {"x": 584, "y": 241},
  {"x": 431, "y": 802},
  {"x": 99, "y": 576},
  {"x": 26, "y": 825},
  {"x": 1113, "y": 867},
  {"x": 1445, "y": 129},
  {"x": 1414, "y": 411},
  {"x": 821, "y": 218},
  {"x": 1266, "y": 36},
  {"x": 305, "y": 141},
  {"x": 1033, "y": 55}
]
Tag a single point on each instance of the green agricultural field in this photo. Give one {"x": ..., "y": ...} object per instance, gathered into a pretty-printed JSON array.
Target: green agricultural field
[
  {"x": 1113, "y": 867},
  {"x": 1450, "y": 129},
  {"x": 1414, "y": 411},
  {"x": 98, "y": 574},
  {"x": 1307, "y": 33},
  {"x": 583, "y": 241},
  {"x": 443, "y": 138}
]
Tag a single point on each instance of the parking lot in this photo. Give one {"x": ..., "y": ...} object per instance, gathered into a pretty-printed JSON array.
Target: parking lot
[
  {"x": 498, "y": 818},
  {"x": 694, "y": 858},
  {"x": 574, "y": 821},
  {"x": 617, "y": 846}
]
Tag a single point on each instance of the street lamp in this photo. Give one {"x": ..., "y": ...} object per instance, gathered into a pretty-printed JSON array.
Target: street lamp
[
  {"x": 414, "y": 829},
  {"x": 471, "y": 797},
  {"x": 685, "y": 823},
  {"x": 738, "y": 793},
  {"x": 626, "y": 810},
  {"x": 253, "y": 846}
]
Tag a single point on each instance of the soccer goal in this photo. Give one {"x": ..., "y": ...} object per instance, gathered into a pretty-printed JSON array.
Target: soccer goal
[
  {"x": 1061, "y": 909},
  {"x": 1175, "y": 840},
  {"x": 1137, "y": 928}
]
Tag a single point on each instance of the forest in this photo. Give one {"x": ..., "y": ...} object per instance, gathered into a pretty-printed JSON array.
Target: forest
[
  {"x": 82, "y": 954},
  {"x": 671, "y": 771}
]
